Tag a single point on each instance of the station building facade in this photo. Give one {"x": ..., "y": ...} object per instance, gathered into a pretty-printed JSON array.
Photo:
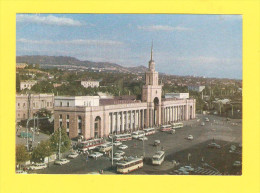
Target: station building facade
[{"x": 93, "y": 117}]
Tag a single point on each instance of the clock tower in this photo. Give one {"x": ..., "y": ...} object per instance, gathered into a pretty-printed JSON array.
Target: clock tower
[{"x": 152, "y": 94}]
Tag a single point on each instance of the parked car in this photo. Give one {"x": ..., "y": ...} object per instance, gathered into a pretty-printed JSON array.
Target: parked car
[
  {"x": 143, "y": 138},
  {"x": 189, "y": 168},
  {"x": 123, "y": 147},
  {"x": 237, "y": 163},
  {"x": 206, "y": 119},
  {"x": 96, "y": 154},
  {"x": 38, "y": 166},
  {"x": 117, "y": 143},
  {"x": 172, "y": 131},
  {"x": 214, "y": 145},
  {"x": 119, "y": 153},
  {"x": 202, "y": 124},
  {"x": 117, "y": 158},
  {"x": 20, "y": 172},
  {"x": 73, "y": 155},
  {"x": 61, "y": 161},
  {"x": 190, "y": 137},
  {"x": 157, "y": 142}
]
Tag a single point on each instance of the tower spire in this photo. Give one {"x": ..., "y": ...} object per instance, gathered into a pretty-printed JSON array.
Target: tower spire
[{"x": 152, "y": 51}]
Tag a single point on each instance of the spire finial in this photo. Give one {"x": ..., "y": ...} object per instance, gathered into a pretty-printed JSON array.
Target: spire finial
[{"x": 152, "y": 51}]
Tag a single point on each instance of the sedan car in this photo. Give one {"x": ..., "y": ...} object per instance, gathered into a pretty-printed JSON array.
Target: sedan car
[
  {"x": 96, "y": 154},
  {"x": 190, "y": 137},
  {"x": 117, "y": 143},
  {"x": 38, "y": 166},
  {"x": 123, "y": 147},
  {"x": 119, "y": 153},
  {"x": 214, "y": 145},
  {"x": 143, "y": 138},
  {"x": 189, "y": 168},
  {"x": 61, "y": 162},
  {"x": 117, "y": 158},
  {"x": 202, "y": 124},
  {"x": 73, "y": 155},
  {"x": 237, "y": 164}
]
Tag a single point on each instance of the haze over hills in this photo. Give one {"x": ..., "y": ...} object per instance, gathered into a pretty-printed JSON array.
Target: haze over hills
[{"x": 73, "y": 63}]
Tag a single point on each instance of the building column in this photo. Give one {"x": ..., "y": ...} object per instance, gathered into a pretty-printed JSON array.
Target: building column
[
  {"x": 130, "y": 120},
  {"x": 117, "y": 123},
  {"x": 126, "y": 120}
]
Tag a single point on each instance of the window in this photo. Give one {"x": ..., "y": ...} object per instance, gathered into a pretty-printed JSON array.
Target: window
[
  {"x": 18, "y": 105},
  {"x": 68, "y": 125},
  {"x": 68, "y": 104},
  {"x": 60, "y": 116},
  {"x": 61, "y": 104},
  {"x": 68, "y": 117},
  {"x": 34, "y": 105}
]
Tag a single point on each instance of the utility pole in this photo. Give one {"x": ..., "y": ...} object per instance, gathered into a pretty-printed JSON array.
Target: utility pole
[
  {"x": 33, "y": 127},
  {"x": 112, "y": 156},
  {"x": 59, "y": 141},
  {"x": 143, "y": 149}
]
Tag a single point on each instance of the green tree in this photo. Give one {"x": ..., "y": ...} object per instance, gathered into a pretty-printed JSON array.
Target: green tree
[
  {"x": 41, "y": 151},
  {"x": 21, "y": 154},
  {"x": 43, "y": 113},
  {"x": 65, "y": 141}
]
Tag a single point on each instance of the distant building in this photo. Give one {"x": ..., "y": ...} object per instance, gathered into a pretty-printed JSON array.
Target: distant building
[
  {"x": 55, "y": 85},
  {"x": 89, "y": 83},
  {"x": 196, "y": 88},
  {"x": 27, "y": 84},
  {"x": 21, "y": 65},
  {"x": 76, "y": 101},
  {"x": 103, "y": 95},
  {"x": 177, "y": 95},
  {"x": 28, "y": 104}
]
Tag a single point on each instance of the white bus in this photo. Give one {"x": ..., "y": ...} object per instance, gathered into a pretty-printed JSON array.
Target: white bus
[
  {"x": 158, "y": 158},
  {"x": 138, "y": 134},
  {"x": 166, "y": 128},
  {"x": 177, "y": 125},
  {"x": 123, "y": 137},
  {"x": 149, "y": 131},
  {"x": 105, "y": 148},
  {"x": 91, "y": 144},
  {"x": 129, "y": 165}
]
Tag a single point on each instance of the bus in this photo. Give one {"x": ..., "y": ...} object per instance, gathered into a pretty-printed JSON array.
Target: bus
[
  {"x": 177, "y": 125},
  {"x": 158, "y": 158},
  {"x": 138, "y": 134},
  {"x": 166, "y": 128},
  {"x": 91, "y": 144},
  {"x": 129, "y": 165},
  {"x": 123, "y": 137},
  {"x": 149, "y": 131},
  {"x": 105, "y": 148}
]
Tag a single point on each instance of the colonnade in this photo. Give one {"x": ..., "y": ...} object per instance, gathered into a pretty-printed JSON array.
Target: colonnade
[{"x": 127, "y": 121}]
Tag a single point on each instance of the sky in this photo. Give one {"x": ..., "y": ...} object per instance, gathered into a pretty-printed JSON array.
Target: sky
[{"x": 183, "y": 44}]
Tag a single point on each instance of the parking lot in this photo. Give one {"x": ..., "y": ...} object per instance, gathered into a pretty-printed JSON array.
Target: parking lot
[{"x": 187, "y": 152}]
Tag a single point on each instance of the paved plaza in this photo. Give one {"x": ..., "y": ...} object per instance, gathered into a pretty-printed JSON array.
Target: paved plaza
[{"x": 205, "y": 160}]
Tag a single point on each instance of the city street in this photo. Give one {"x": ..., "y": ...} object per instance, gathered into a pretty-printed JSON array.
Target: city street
[{"x": 218, "y": 130}]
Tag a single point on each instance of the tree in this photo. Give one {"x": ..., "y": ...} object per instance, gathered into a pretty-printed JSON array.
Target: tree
[
  {"x": 21, "y": 154},
  {"x": 43, "y": 113},
  {"x": 65, "y": 141},
  {"x": 41, "y": 151}
]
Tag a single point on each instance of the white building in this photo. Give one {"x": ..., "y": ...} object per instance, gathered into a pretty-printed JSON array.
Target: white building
[
  {"x": 196, "y": 88},
  {"x": 89, "y": 83},
  {"x": 76, "y": 101},
  {"x": 27, "y": 84},
  {"x": 177, "y": 95}
]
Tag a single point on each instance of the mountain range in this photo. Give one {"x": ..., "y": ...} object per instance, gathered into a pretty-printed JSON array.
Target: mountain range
[{"x": 74, "y": 63}]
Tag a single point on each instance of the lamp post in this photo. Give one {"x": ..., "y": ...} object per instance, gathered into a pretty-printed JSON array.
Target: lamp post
[
  {"x": 59, "y": 140},
  {"x": 112, "y": 149}
]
